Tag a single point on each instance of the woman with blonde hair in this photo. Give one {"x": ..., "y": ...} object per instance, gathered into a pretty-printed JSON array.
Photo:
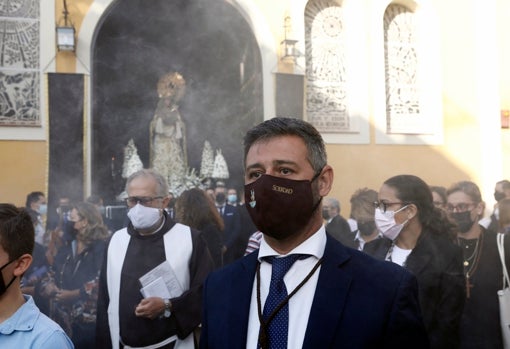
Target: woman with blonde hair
[{"x": 72, "y": 291}]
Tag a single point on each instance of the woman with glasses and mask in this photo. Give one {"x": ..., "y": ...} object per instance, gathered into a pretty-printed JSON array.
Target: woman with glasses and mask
[
  {"x": 72, "y": 292},
  {"x": 419, "y": 237},
  {"x": 480, "y": 326}
]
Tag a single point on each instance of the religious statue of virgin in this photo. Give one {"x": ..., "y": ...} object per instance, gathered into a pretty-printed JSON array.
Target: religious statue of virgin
[{"x": 168, "y": 154}]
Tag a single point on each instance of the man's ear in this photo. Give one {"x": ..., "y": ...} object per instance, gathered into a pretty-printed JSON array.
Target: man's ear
[
  {"x": 325, "y": 180},
  {"x": 22, "y": 264},
  {"x": 165, "y": 201}
]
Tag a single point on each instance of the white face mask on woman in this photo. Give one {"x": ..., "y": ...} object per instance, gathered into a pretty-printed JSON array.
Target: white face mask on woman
[
  {"x": 143, "y": 217},
  {"x": 386, "y": 224}
]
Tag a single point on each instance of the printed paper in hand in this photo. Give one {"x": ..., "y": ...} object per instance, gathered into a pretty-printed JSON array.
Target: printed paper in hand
[{"x": 161, "y": 282}]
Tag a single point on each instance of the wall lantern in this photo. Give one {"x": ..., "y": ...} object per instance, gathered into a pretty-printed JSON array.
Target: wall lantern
[
  {"x": 65, "y": 32},
  {"x": 290, "y": 52}
]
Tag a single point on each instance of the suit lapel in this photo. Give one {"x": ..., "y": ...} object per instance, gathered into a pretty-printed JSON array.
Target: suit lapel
[{"x": 330, "y": 296}]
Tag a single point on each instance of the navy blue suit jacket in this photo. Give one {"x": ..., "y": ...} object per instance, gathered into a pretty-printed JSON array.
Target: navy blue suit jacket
[{"x": 359, "y": 302}]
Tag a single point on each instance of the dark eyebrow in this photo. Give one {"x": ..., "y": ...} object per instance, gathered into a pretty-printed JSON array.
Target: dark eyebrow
[{"x": 275, "y": 163}]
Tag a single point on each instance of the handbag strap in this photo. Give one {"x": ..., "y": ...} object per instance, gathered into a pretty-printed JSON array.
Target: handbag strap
[{"x": 501, "y": 250}]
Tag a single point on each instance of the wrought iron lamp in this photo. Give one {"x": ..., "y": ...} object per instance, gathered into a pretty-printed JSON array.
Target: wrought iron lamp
[{"x": 65, "y": 32}]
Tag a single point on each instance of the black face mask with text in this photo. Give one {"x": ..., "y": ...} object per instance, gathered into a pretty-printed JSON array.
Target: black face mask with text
[{"x": 280, "y": 207}]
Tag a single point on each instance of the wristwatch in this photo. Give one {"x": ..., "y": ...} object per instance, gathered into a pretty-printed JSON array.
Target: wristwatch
[{"x": 167, "y": 311}]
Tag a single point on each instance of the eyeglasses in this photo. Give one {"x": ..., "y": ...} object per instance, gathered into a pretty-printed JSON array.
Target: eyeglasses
[
  {"x": 144, "y": 200},
  {"x": 383, "y": 205},
  {"x": 462, "y": 207}
]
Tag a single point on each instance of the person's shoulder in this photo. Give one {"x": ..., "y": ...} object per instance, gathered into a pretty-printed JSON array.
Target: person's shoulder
[
  {"x": 48, "y": 334},
  {"x": 363, "y": 267},
  {"x": 380, "y": 243},
  {"x": 244, "y": 264}
]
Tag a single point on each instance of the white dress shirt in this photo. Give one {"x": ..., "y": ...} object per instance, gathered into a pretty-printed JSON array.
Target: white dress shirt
[{"x": 301, "y": 303}]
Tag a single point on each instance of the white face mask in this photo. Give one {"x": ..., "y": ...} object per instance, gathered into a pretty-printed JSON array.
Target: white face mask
[
  {"x": 386, "y": 224},
  {"x": 143, "y": 217}
]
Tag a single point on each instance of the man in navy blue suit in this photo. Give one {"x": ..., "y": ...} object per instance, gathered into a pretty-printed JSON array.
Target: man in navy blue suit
[{"x": 336, "y": 297}]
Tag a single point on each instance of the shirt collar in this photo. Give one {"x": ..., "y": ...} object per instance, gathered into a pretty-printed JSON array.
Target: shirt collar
[
  {"x": 23, "y": 319},
  {"x": 314, "y": 246},
  {"x": 359, "y": 238}
]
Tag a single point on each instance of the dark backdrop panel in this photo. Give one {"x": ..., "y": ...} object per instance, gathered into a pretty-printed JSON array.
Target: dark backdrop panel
[
  {"x": 289, "y": 95},
  {"x": 66, "y": 118}
]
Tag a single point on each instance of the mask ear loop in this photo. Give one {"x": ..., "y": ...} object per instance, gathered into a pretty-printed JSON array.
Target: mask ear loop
[
  {"x": 312, "y": 180},
  {"x": 13, "y": 278}
]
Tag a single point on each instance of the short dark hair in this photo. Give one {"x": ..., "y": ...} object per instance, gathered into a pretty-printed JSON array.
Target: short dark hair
[
  {"x": 280, "y": 126},
  {"x": 33, "y": 197},
  {"x": 505, "y": 184},
  {"x": 16, "y": 231}
]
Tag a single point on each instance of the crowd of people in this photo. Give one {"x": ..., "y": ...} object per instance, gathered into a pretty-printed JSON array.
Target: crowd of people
[{"x": 413, "y": 264}]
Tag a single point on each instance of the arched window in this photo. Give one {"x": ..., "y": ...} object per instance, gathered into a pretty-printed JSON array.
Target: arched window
[
  {"x": 401, "y": 61},
  {"x": 408, "y": 106},
  {"x": 326, "y": 78}
]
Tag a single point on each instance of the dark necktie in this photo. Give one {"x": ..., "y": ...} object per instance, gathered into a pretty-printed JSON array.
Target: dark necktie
[{"x": 277, "y": 329}]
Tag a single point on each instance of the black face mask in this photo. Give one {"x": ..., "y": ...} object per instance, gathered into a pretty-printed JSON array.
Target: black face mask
[
  {"x": 498, "y": 196},
  {"x": 325, "y": 214},
  {"x": 3, "y": 286},
  {"x": 220, "y": 198},
  {"x": 366, "y": 228},
  {"x": 280, "y": 207},
  {"x": 463, "y": 220}
]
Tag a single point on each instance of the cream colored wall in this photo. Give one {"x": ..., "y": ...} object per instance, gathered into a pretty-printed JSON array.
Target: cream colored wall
[
  {"x": 23, "y": 170},
  {"x": 462, "y": 155}
]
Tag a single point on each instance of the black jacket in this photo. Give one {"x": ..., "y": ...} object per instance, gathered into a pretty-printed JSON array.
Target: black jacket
[{"x": 437, "y": 264}]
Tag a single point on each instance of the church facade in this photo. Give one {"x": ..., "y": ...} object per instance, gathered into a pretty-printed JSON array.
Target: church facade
[{"x": 417, "y": 87}]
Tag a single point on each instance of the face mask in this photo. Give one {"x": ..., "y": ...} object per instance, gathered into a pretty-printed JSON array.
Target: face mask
[
  {"x": 43, "y": 208},
  {"x": 220, "y": 198},
  {"x": 325, "y": 214},
  {"x": 463, "y": 220},
  {"x": 498, "y": 196},
  {"x": 143, "y": 217},
  {"x": 386, "y": 224},
  {"x": 3, "y": 286},
  {"x": 232, "y": 198},
  {"x": 280, "y": 207},
  {"x": 102, "y": 210},
  {"x": 366, "y": 228}
]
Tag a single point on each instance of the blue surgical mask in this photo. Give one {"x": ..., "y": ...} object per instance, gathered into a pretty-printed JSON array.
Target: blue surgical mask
[
  {"x": 232, "y": 198},
  {"x": 43, "y": 209}
]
